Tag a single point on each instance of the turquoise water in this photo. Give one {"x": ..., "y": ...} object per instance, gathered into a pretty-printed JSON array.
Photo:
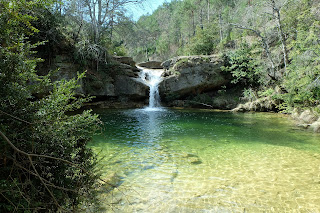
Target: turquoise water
[{"x": 207, "y": 161}]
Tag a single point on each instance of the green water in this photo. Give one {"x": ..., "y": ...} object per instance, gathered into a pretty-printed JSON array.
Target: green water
[{"x": 208, "y": 161}]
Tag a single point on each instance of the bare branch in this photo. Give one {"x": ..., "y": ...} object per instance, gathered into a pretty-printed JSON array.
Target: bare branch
[
  {"x": 264, "y": 43},
  {"x": 14, "y": 117},
  {"x": 41, "y": 179}
]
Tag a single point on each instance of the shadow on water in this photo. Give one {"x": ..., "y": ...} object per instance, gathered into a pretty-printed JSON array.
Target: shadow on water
[{"x": 150, "y": 126}]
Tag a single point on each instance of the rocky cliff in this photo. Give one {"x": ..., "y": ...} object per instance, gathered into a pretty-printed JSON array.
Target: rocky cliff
[
  {"x": 114, "y": 83},
  {"x": 188, "y": 80},
  {"x": 192, "y": 74},
  {"x": 195, "y": 81}
]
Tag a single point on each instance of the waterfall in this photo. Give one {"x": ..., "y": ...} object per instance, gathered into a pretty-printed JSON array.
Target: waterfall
[{"x": 152, "y": 78}]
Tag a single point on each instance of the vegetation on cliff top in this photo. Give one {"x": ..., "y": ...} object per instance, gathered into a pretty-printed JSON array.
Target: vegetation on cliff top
[{"x": 267, "y": 43}]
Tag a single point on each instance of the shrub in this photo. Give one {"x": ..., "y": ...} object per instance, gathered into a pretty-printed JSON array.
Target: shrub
[{"x": 45, "y": 165}]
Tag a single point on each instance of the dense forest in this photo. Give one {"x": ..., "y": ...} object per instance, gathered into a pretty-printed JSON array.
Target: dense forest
[
  {"x": 270, "y": 47},
  {"x": 268, "y": 44}
]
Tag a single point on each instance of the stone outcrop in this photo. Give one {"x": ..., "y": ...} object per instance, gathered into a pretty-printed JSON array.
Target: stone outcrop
[
  {"x": 265, "y": 104},
  {"x": 124, "y": 60},
  {"x": 315, "y": 126},
  {"x": 151, "y": 64},
  {"x": 192, "y": 75},
  {"x": 130, "y": 87},
  {"x": 114, "y": 82},
  {"x": 308, "y": 118}
]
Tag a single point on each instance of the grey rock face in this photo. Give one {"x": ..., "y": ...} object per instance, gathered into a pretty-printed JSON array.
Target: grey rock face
[
  {"x": 151, "y": 65},
  {"x": 124, "y": 60},
  {"x": 131, "y": 87},
  {"x": 192, "y": 74}
]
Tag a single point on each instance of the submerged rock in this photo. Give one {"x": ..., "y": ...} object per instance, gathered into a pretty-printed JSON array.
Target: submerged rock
[
  {"x": 192, "y": 158},
  {"x": 195, "y": 160},
  {"x": 113, "y": 180}
]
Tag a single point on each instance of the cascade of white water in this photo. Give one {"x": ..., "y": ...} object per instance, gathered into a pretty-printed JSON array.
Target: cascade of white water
[{"x": 152, "y": 78}]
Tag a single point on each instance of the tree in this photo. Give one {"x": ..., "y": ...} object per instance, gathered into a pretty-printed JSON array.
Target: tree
[
  {"x": 103, "y": 13},
  {"x": 302, "y": 81},
  {"x": 264, "y": 44},
  {"x": 45, "y": 163},
  {"x": 276, "y": 14}
]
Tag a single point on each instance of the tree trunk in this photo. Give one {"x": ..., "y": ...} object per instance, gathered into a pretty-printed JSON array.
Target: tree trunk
[
  {"x": 193, "y": 23},
  {"x": 276, "y": 10},
  {"x": 264, "y": 43},
  {"x": 147, "y": 55},
  {"x": 220, "y": 26},
  {"x": 201, "y": 21},
  {"x": 208, "y": 2}
]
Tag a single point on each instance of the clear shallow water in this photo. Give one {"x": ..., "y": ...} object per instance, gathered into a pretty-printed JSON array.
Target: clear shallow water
[{"x": 206, "y": 161}]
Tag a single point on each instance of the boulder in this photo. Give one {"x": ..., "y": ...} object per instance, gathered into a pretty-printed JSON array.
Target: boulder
[
  {"x": 316, "y": 126},
  {"x": 192, "y": 74},
  {"x": 124, "y": 60},
  {"x": 264, "y": 104},
  {"x": 308, "y": 117},
  {"x": 151, "y": 64},
  {"x": 130, "y": 87}
]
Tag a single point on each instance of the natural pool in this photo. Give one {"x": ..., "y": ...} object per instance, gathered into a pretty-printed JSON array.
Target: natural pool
[{"x": 208, "y": 161}]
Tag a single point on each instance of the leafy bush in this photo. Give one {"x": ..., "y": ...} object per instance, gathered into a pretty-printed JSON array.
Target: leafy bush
[
  {"x": 242, "y": 66},
  {"x": 203, "y": 43},
  {"x": 45, "y": 165}
]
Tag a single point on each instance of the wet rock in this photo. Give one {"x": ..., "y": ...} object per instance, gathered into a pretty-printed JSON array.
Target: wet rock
[
  {"x": 305, "y": 126},
  {"x": 307, "y": 119},
  {"x": 130, "y": 87},
  {"x": 151, "y": 64},
  {"x": 115, "y": 104}
]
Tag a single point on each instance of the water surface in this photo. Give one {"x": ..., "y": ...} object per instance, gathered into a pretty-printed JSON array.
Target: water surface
[{"x": 208, "y": 161}]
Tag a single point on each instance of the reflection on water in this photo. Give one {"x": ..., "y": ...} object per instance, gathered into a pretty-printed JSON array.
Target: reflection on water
[
  {"x": 150, "y": 120},
  {"x": 205, "y": 161}
]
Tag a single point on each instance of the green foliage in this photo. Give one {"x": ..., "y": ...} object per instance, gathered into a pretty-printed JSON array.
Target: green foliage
[
  {"x": 267, "y": 92},
  {"x": 203, "y": 43},
  {"x": 249, "y": 95},
  {"x": 118, "y": 50},
  {"x": 182, "y": 62},
  {"x": 242, "y": 66},
  {"x": 45, "y": 165},
  {"x": 302, "y": 80},
  {"x": 87, "y": 52}
]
